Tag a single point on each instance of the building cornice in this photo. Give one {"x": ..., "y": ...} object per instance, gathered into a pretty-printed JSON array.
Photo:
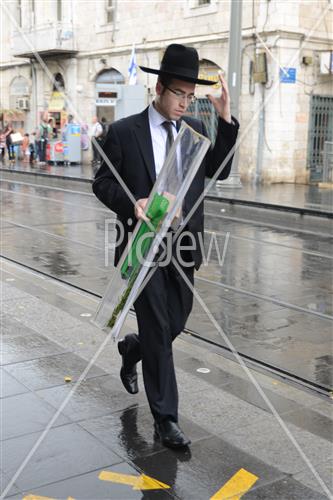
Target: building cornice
[
  {"x": 198, "y": 41},
  {"x": 247, "y": 34}
]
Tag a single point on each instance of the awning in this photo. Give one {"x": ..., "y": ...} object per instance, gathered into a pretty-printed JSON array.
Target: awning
[{"x": 57, "y": 101}]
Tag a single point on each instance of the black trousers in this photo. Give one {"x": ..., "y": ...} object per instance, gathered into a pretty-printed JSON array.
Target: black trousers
[{"x": 162, "y": 310}]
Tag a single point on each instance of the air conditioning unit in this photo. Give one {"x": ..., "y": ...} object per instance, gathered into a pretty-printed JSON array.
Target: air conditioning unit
[{"x": 22, "y": 103}]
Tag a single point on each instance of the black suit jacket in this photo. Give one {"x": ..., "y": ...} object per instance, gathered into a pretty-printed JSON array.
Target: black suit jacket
[{"x": 129, "y": 147}]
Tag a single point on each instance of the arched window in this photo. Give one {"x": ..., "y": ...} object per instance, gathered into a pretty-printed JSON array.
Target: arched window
[
  {"x": 19, "y": 86},
  {"x": 110, "y": 76},
  {"x": 58, "y": 84}
]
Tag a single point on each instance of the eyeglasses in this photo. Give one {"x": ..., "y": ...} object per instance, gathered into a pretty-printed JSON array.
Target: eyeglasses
[{"x": 181, "y": 96}]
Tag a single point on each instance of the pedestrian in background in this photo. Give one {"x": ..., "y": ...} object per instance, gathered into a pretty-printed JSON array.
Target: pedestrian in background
[
  {"x": 2, "y": 145},
  {"x": 10, "y": 147},
  {"x": 32, "y": 148},
  {"x": 105, "y": 127},
  {"x": 25, "y": 148},
  {"x": 96, "y": 134},
  {"x": 44, "y": 134},
  {"x": 84, "y": 137}
]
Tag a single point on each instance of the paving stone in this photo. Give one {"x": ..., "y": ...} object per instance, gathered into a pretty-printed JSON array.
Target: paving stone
[
  {"x": 216, "y": 377},
  {"x": 90, "y": 487},
  {"x": 10, "y": 292},
  {"x": 90, "y": 337},
  {"x": 109, "y": 359},
  {"x": 51, "y": 370},
  {"x": 32, "y": 345},
  {"x": 218, "y": 412},
  {"x": 245, "y": 390},
  {"x": 266, "y": 440},
  {"x": 190, "y": 384},
  {"x": 313, "y": 422},
  {"x": 130, "y": 433},
  {"x": 325, "y": 472},
  {"x": 9, "y": 386},
  {"x": 24, "y": 414},
  {"x": 325, "y": 408},
  {"x": 65, "y": 452},
  {"x": 286, "y": 488},
  {"x": 38, "y": 315},
  {"x": 200, "y": 471},
  {"x": 94, "y": 397},
  {"x": 4, "y": 482},
  {"x": 11, "y": 327}
]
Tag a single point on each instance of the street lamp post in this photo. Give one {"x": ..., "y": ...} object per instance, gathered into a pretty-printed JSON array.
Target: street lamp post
[{"x": 234, "y": 81}]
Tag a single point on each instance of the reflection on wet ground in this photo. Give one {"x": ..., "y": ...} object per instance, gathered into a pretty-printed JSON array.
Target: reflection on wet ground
[
  {"x": 292, "y": 195},
  {"x": 272, "y": 296}
]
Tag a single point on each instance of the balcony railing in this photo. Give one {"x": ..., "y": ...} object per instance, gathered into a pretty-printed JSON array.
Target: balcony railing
[{"x": 51, "y": 39}]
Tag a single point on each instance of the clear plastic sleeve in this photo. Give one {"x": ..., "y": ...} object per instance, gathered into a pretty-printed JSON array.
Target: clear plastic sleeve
[{"x": 164, "y": 210}]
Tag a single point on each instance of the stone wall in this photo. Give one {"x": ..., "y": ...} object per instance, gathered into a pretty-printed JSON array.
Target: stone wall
[{"x": 274, "y": 144}]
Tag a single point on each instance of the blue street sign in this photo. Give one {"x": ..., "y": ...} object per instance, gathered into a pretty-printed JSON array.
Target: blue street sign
[{"x": 288, "y": 75}]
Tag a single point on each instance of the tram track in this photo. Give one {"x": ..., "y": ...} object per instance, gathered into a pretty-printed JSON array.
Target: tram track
[
  {"x": 207, "y": 231},
  {"x": 223, "y": 350},
  {"x": 91, "y": 207},
  {"x": 225, "y": 286}
]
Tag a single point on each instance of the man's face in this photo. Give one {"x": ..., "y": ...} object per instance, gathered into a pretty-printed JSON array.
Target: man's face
[{"x": 173, "y": 101}]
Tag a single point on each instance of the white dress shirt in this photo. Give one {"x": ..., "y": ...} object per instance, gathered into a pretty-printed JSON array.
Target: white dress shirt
[{"x": 159, "y": 136}]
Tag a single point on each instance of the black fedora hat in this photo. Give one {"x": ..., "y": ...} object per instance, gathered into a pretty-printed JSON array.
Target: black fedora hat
[{"x": 180, "y": 62}]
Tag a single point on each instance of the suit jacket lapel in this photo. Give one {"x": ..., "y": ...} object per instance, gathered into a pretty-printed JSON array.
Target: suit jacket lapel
[{"x": 143, "y": 137}]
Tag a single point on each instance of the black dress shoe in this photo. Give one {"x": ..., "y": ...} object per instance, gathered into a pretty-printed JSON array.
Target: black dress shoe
[
  {"x": 128, "y": 373},
  {"x": 170, "y": 434}
]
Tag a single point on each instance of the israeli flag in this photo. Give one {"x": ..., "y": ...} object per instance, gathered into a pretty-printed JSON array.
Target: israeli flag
[{"x": 132, "y": 68}]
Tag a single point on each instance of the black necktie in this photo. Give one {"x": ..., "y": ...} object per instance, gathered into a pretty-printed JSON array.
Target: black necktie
[{"x": 170, "y": 139}]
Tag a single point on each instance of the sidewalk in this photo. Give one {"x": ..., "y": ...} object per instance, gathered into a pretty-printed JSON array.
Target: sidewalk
[
  {"x": 300, "y": 196},
  {"x": 47, "y": 336}
]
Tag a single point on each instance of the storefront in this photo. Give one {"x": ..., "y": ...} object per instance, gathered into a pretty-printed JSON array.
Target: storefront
[
  {"x": 114, "y": 99},
  {"x": 56, "y": 110}
]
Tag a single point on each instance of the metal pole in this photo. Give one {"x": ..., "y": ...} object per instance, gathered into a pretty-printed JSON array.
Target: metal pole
[{"x": 234, "y": 80}]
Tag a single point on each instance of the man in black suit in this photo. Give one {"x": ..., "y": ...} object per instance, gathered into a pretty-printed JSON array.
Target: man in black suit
[{"x": 137, "y": 147}]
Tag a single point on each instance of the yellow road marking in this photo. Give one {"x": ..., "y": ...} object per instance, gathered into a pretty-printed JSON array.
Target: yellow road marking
[
  {"x": 36, "y": 497},
  {"x": 236, "y": 487},
  {"x": 142, "y": 482},
  {"x": 31, "y": 496}
]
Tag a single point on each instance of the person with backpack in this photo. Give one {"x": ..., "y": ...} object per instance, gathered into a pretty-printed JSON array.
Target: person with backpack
[{"x": 44, "y": 133}]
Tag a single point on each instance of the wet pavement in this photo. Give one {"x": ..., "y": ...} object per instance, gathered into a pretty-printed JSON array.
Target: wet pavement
[
  {"x": 102, "y": 441},
  {"x": 299, "y": 196},
  {"x": 272, "y": 293},
  {"x": 272, "y": 297}
]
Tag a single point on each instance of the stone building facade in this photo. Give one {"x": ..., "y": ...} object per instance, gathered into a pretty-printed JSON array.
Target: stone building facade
[{"x": 79, "y": 41}]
